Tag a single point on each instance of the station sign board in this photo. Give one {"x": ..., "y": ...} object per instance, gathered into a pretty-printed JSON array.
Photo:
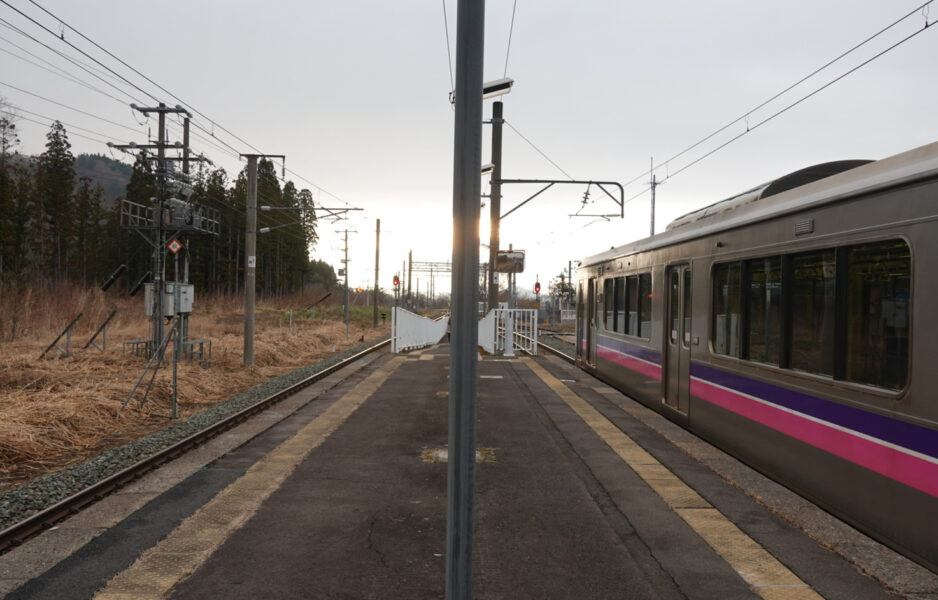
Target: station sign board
[{"x": 509, "y": 261}]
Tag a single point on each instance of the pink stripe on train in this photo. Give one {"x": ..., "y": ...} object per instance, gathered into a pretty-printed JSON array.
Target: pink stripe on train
[
  {"x": 630, "y": 362},
  {"x": 903, "y": 467}
]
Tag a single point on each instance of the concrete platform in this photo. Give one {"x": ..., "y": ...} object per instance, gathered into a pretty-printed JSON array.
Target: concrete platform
[{"x": 581, "y": 493}]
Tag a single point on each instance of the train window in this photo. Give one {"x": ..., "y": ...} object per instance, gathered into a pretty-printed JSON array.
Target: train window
[
  {"x": 675, "y": 306},
  {"x": 608, "y": 305},
  {"x": 726, "y": 309},
  {"x": 685, "y": 331},
  {"x": 878, "y": 286},
  {"x": 619, "y": 317},
  {"x": 765, "y": 297},
  {"x": 631, "y": 305},
  {"x": 644, "y": 302},
  {"x": 813, "y": 312}
]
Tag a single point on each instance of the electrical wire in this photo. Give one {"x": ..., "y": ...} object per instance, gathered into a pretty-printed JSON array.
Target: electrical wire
[
  {"x": 511, "y": 31},
  {"x": 13, "y": 87},
  {"x": 51, "y": 120},
  {"x": 449, "y": 57},
  {"x": 748, "y": 113},
  {"x": 802, "y": 99},
  {"x": 193, "y": 109},
  {"x": 53, "y": 69},
  {"x": 539, "y": 151},
  {"x": 12, "y": 114},
  {"x": 68, "y": 58}
]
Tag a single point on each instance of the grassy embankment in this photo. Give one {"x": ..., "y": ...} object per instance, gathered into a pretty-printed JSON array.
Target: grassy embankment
[{"x": 58, "y": 411}]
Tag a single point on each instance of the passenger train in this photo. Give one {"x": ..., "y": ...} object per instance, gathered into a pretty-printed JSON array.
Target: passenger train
[{"x": 794, "y": 326}]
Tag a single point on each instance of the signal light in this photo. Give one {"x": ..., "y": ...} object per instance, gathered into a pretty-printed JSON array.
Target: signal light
[
  {"x": 537, "y": 287},
  {"x": 397, "y": 281}
]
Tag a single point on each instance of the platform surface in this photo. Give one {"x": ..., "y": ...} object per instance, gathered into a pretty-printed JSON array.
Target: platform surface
[{"x": 576, "y": 497}]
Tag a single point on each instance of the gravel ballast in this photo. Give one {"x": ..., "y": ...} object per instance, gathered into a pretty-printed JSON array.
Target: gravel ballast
[{"x": 44, "y": 491}]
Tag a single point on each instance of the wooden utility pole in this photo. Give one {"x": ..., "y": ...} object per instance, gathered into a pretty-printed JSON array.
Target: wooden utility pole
[
  {"x": 250, "y": 258},
  {"x": 377, "y": 256},
  {"x": 345, "y": 262}
]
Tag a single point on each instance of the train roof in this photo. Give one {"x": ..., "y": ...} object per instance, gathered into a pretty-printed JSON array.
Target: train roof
[{"x": 806, "y": 188}]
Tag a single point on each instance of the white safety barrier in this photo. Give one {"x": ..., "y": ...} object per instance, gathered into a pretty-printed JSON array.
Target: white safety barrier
[
  {"x": 506, "y": 331},
  {"x": 410, "y": 331},
  {"x": 487, "y": 329}
]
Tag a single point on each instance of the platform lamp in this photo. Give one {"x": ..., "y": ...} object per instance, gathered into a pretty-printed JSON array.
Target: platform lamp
[{"x": 492, "y": 89}]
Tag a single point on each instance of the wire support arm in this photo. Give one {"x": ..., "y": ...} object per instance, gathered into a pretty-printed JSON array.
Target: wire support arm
[{"x": 551, "y": 182}]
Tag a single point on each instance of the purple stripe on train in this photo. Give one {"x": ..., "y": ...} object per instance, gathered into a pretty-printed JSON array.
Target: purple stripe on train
[
  {"x": 914, "y": 437},
  {"x": 641, "y": 360},
  {"x": 736, "y": 393}
]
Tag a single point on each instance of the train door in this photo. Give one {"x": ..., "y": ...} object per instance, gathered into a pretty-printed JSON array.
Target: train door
[
  {"x": 591, "y": 322},
  {"x": 580, "y": 325},
  {"x": 678, "y": 338}
]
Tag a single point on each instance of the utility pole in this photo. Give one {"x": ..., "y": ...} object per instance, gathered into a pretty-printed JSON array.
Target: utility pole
[
  {"x": 250, "y": 258},
  {"x": 464, "y": 355},
  {"x": 345, "y": 262},
  {"x": 495, "y": 201},
  {"x": 653, "y": 186},
  {"x": 167, "y": 215},
  {"x": 410, "y": 268},
  {"x": 377, "y": 256},
  {"x": 183, "y": 336},
  {"x": 159, "y": 242}
]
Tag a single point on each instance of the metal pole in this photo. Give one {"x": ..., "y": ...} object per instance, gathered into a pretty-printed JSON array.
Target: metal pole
[
  {"x": 176, "y": 348},
  {"x": 377, "y": 256},
  {"x": 158, "y": 275},
  {"x": 653, "y": 185},
  {"x": 250, "y": 261},
  {"x": 410, "y": 272},
  {"x": 495, "y": 201},
  {"x": 183, "y": 332},
  {"x": 345, "y": 262},
  {"x": 467, "y": 165}
]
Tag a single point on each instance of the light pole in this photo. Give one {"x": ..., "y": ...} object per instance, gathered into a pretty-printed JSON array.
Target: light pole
[{"x": 490, "y": 90}]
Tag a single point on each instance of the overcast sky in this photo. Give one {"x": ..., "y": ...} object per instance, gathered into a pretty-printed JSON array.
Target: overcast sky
[{"x": 355, "y": 94}]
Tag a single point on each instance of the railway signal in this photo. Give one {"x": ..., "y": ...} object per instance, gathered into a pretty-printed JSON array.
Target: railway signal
[{"x": 537, "y": 287}]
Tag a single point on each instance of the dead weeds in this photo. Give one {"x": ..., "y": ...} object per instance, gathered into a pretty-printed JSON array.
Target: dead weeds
[{"x": 56, "y": 412}]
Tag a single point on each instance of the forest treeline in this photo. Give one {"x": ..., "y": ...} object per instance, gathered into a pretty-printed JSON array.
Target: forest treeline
[{"x": 56, "y": 227}]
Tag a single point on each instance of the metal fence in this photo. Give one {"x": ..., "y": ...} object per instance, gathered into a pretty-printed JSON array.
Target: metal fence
[{"x": 507, "y": 331}]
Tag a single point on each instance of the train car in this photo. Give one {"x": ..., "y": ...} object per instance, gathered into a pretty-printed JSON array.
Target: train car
[{"x": 793, "y": 326}]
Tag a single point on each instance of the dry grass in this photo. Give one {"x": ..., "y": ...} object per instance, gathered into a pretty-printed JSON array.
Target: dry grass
[{"x": 59, "y": 411}]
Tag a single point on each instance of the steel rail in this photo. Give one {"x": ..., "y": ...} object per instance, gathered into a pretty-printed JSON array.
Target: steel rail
[
  {"x": 559, "y": 353},
  {"x": 44, "y": 519}
]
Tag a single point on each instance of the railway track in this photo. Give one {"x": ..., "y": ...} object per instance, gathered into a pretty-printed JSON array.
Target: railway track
[
  {"x": 36, "y": 523},
  {"x": 556, "y": 351}
]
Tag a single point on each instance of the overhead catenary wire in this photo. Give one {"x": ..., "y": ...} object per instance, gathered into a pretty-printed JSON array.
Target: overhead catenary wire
[
  {"x": 23, "y": 33},
  {"x": 449, "y": 54},
  {"x": 54, "y": 69},
  {"x": 63, "y": 55},
  {"x": 539, "y": 151},
  {"x": 776, "y": 96},
  {"x": 511, "y": 30},
  {"x": 802, "y": 99},
  {"x": 193, "y": 122},
  {"x": 52, "y": 120},
  {"x": 78, "y": 110},
  {"x": 6, "y": 112},
  {"x": 158, "y": 86}
]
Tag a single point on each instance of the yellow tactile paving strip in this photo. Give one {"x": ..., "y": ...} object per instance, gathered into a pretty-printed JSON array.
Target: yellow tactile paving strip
[
  {"x": 180, "y": 553},
  {"x": 768, "y": 577}
]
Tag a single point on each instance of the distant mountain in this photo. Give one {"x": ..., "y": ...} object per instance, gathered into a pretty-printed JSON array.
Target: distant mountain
[{"x": 110, "y": 174}]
